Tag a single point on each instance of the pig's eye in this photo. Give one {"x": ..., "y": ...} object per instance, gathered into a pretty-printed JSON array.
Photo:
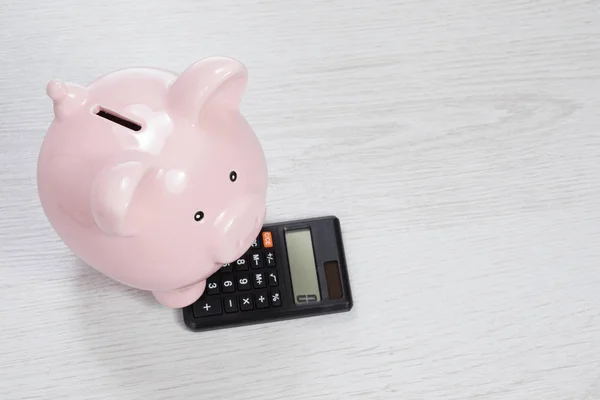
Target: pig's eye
[
  {"x": 232, "y": 176},
  {"x": 198, "y": 216}
]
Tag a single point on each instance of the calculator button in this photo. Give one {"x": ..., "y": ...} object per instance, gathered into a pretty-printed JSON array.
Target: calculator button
[
  {"x": 258, "y": 280},
  {"x": 256, "y": 260},
  {"x": 212, "y": 285},
  {"x": 241, "y": 264},
  {"x": 262, "y": 300},
  {"x": 227, "y": 267},
  {"x": 246, "y": 303},
  {"x": 243, "y": 282},
  {"x": 207, "y": 306},
  {"x": 255, "y": 244},
  {"x": 275, "y": 299},
  {"x": 311, "y": 297},
  {"x": 230, "y": 303},
  {"x": 306, "y": 298},
  {"x": 270, "y": 259},
  {"x": 273, "y": 279},
  {"x": 267, "y": 239},
  {"x": 228, "y": 284}
]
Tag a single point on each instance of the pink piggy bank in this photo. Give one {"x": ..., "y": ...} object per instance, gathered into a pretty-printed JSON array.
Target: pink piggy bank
[{"x": 156, "y": 180}]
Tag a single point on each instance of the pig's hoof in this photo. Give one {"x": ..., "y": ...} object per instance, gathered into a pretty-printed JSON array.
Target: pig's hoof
[{"x": 181, "y": 297}]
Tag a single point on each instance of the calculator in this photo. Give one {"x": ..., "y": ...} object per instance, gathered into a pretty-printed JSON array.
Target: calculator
[{"x": 293, "y": 269}]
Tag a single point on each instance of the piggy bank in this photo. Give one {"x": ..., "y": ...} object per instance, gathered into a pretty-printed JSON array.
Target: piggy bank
[{"x": 152, "y": 178}]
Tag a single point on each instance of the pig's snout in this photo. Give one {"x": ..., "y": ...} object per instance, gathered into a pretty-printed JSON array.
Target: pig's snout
[{"x": 237, "y": 227}]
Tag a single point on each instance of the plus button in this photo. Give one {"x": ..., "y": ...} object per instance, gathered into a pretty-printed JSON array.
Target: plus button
[{"x": 211, "y": 305}]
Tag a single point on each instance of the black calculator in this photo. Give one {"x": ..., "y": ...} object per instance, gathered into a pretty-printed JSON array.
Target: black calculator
[{"x": 293, "y": 269}]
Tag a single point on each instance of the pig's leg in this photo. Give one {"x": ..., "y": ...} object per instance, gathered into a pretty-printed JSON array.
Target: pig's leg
[{"x": 180, "y": 298}]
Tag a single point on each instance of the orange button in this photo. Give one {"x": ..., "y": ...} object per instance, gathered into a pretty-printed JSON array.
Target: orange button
[{"x": 267, "y": 239}]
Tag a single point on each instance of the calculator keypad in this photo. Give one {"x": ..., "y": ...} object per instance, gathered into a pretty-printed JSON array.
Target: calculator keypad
[
  {"x": 267, "y": 239},
  {"x": 227, "y": 284},
  {"x": 230, "y": 303},
  {"x": 227, "y": 268},
  {"x": 256, "y": 260},
  {"x": 241, "y": 264},
  {"x": 275, "y": 298},
  {"x": 270, "y": 258},
  {"x": 247, "y": 284},
  {"x": 246, "y": 303},
  {"x": 207, "y": 307},
  {"x": 243, "y": 282},
  {"x": 273, "y": 281},
  {"x": 212, "y": 285},
  {"x": 262, "y": 299}
]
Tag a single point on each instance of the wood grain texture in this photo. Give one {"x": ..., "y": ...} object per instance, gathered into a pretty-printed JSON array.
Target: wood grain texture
[{"x": 458, "y": 142}]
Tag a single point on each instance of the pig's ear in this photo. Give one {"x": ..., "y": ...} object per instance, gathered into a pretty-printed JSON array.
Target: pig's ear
[
  {"x": 210, "y": 85},
  {"x": 113, "y": 193}
]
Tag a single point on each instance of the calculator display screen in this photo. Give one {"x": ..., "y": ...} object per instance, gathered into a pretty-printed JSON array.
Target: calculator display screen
[{"x": 303, "y": 268}]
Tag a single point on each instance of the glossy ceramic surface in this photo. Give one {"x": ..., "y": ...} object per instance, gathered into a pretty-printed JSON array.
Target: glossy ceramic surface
[{"x": 154, "y": 179}]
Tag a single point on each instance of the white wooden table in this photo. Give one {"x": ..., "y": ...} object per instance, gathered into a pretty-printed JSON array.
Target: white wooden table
[{"x": 457, "y": 141}]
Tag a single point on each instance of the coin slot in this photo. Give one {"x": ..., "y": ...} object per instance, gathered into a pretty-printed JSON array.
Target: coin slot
[{"x": 117, "y": 119}]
